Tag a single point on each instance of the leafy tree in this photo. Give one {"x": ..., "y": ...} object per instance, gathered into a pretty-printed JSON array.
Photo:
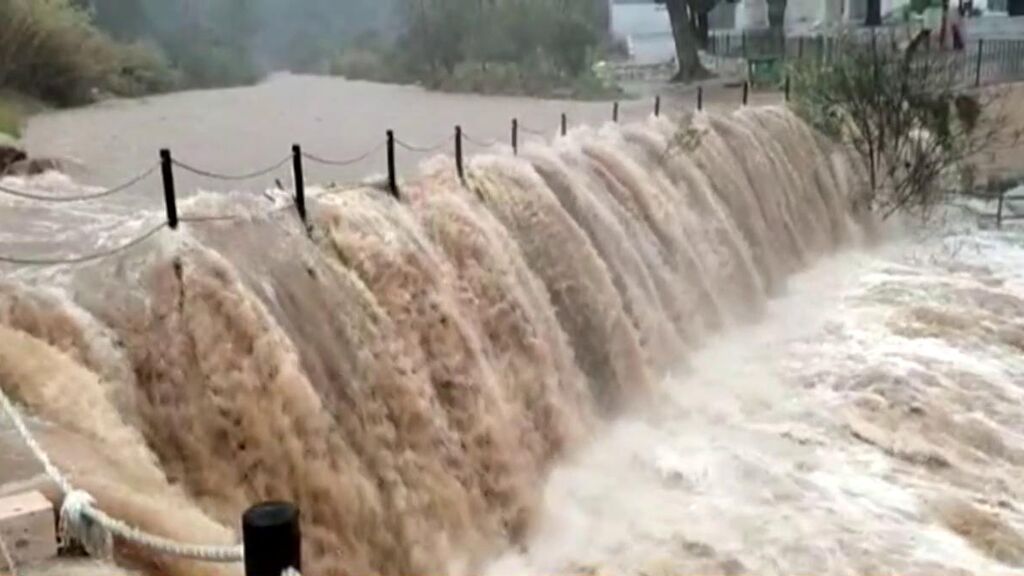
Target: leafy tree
[
  {"x": 906, "y": 114},
  {"x": 686, "y": 17}
]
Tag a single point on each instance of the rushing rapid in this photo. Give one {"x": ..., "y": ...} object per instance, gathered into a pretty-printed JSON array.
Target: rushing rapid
[{"x": 410, "y": 373}]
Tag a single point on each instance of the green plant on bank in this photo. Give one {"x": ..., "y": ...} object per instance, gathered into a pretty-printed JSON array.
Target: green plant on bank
[
  {"x": 904, "y": 110},
  {"x": 10, "y": 120},
  {"x": 51, "y": 51},
  {"x": 533, "y": 47}
]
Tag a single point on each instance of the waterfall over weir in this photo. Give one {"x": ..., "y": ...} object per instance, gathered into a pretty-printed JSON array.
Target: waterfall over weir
[{"x": 408, "y": 373}]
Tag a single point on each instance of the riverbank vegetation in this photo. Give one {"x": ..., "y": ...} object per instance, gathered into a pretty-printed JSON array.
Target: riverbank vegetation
[
  {"x": 52, "y": 52},
  {"x": 68, "y": 52},
  {"x": 10, "y": 121},
  {"x": 533, "y": 47},
  {"x": 907, "y": 112}
]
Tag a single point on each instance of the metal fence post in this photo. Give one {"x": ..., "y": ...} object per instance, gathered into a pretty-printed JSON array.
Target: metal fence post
[
  {"x": 515, "y": 136},
  {"x": 615, "y": 112},
  {"x": 167, "y": 170},
  {"x": 999, "y": 210},
  {"x": 392, "y": 176},
  {"x": 746, "y": 92},
  {"x": 700, "y": 97},
  {"x": 565, "y": 124},
  {"x": 977, "y": 70},
  {"x": 657, "y": 106},
  {"x": 300, "y": 182},
  {"x": 787, "y": 88},
  {"x": 272, "y": 539},
  {"x": 458, "y": 153}
]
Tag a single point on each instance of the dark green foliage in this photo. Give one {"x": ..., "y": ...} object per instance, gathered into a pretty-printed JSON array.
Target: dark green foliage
[
  {"x": 52, "y": 52},
  {"x": 502, "y": 46}
]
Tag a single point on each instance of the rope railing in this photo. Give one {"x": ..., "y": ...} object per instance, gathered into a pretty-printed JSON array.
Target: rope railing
[
  {"x": 82, "y": 521},
  {"x": 232, "y": 177},
  {"x": 533, "y": 132},
  {"x": 344, "y": 162},
  {"x": 83, "y": 197},
  {"x": 168, "y": 164},
  {"x": 7, "y": 259},
  {"x": 424, "y": 149},
  {"x": 6, "y": 556},
  {"x": 481, "y": 143}
]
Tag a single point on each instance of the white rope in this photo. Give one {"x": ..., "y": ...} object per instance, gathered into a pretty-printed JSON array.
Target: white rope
[
  {"x": 81, "y": 521},
  {"x": 289, "y": 571},
  {"x": 6, "y": 552}
]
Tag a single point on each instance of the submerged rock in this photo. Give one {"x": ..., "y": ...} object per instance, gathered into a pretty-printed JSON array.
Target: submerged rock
[{"x": 10, "y": 154}]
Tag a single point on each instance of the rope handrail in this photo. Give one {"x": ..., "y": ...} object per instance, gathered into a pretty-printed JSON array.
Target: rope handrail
[
  {"x": 345, "y": 162},
  {"x": 6, "y": 556},
  {"x": 531, "y": 131},
  {"x": 84, "y": 197},
  {"x": 81, "y": 520},
  {"x": 222, "y": 176},
  {"x": 82, "y": 259},
  {"x": 210, "y": 218},
  {"x": 426, "y": 149},
  {"x": 482, "y": 144}
]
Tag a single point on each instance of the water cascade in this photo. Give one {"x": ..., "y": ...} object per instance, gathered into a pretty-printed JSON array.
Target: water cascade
[{"x": 408, "y": 373}]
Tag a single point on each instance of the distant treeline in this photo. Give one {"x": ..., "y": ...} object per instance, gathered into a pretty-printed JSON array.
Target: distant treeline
[
  {"x": 71, "y": 51},
  {"x": 509, "y": 46}
]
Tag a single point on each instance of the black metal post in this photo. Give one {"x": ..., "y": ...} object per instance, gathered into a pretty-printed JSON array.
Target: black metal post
[
  {"x": 999, "y": 211},
  {"x": 700, "y": 97},
  {"x": 167, "y": 169},
  {"x": 458, "y": 153},
  {"x": 272, "y": 539},
  {"x": 746, "y": 91},
  {"x": 800, "y": 48},
  {"x": 977, "y": 71},
  {"x": 615, "y": 112},
  {"x": 657, "y": 106},
  {"x": 300, "y": 182},
  {"x": 392, "y": 176},
  {"x": 515, "y": 136},
  {"x": 565, "y": 125},
  {"x": 743, "y": 42},
  {"x": 787, "y": 88}
]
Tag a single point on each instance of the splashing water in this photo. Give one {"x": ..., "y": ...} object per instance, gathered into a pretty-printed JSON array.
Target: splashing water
[
  {"x": 412, "y": 374},
  {"x": 869, "y": 424}
]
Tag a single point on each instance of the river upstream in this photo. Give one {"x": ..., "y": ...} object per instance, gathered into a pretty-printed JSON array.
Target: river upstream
[{"x": 610, "y": 354}]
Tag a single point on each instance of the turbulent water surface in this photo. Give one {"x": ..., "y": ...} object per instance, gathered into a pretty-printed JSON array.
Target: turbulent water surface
[{"x": 621, "y": 351}]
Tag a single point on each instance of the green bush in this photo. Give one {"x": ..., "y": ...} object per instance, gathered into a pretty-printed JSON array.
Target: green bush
[
  {"x": 52, "y": 52},
  {"x": 141, "y": 69},
  {"x": 362, "y": 64},
  {"x": 10, "y": 120}
]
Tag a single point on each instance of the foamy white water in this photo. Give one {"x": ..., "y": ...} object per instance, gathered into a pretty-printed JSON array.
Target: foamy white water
[{"x": 871, "y": 424}]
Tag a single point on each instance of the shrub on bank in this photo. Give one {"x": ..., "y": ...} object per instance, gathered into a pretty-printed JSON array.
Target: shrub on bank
[
  {"x": 52, "y": 52},
  {"x": 10, "y": 120},
  {"x": 532, "y": 78}
]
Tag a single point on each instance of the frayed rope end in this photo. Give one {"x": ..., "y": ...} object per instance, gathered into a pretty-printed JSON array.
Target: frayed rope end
[{"x": 77, "y": 526}]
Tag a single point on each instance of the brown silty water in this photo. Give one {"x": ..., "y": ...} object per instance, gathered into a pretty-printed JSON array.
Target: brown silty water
[{"x": 409, "y": 372}]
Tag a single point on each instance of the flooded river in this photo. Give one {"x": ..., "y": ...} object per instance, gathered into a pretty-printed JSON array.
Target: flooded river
[{"x": 610, "y": 354}]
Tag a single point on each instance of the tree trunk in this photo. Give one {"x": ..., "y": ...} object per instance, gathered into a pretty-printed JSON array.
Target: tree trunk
[{"x": 686, "y": 40}]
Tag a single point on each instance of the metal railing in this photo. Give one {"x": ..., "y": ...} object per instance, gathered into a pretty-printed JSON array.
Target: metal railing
[{"x": 981, "y": 62}]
